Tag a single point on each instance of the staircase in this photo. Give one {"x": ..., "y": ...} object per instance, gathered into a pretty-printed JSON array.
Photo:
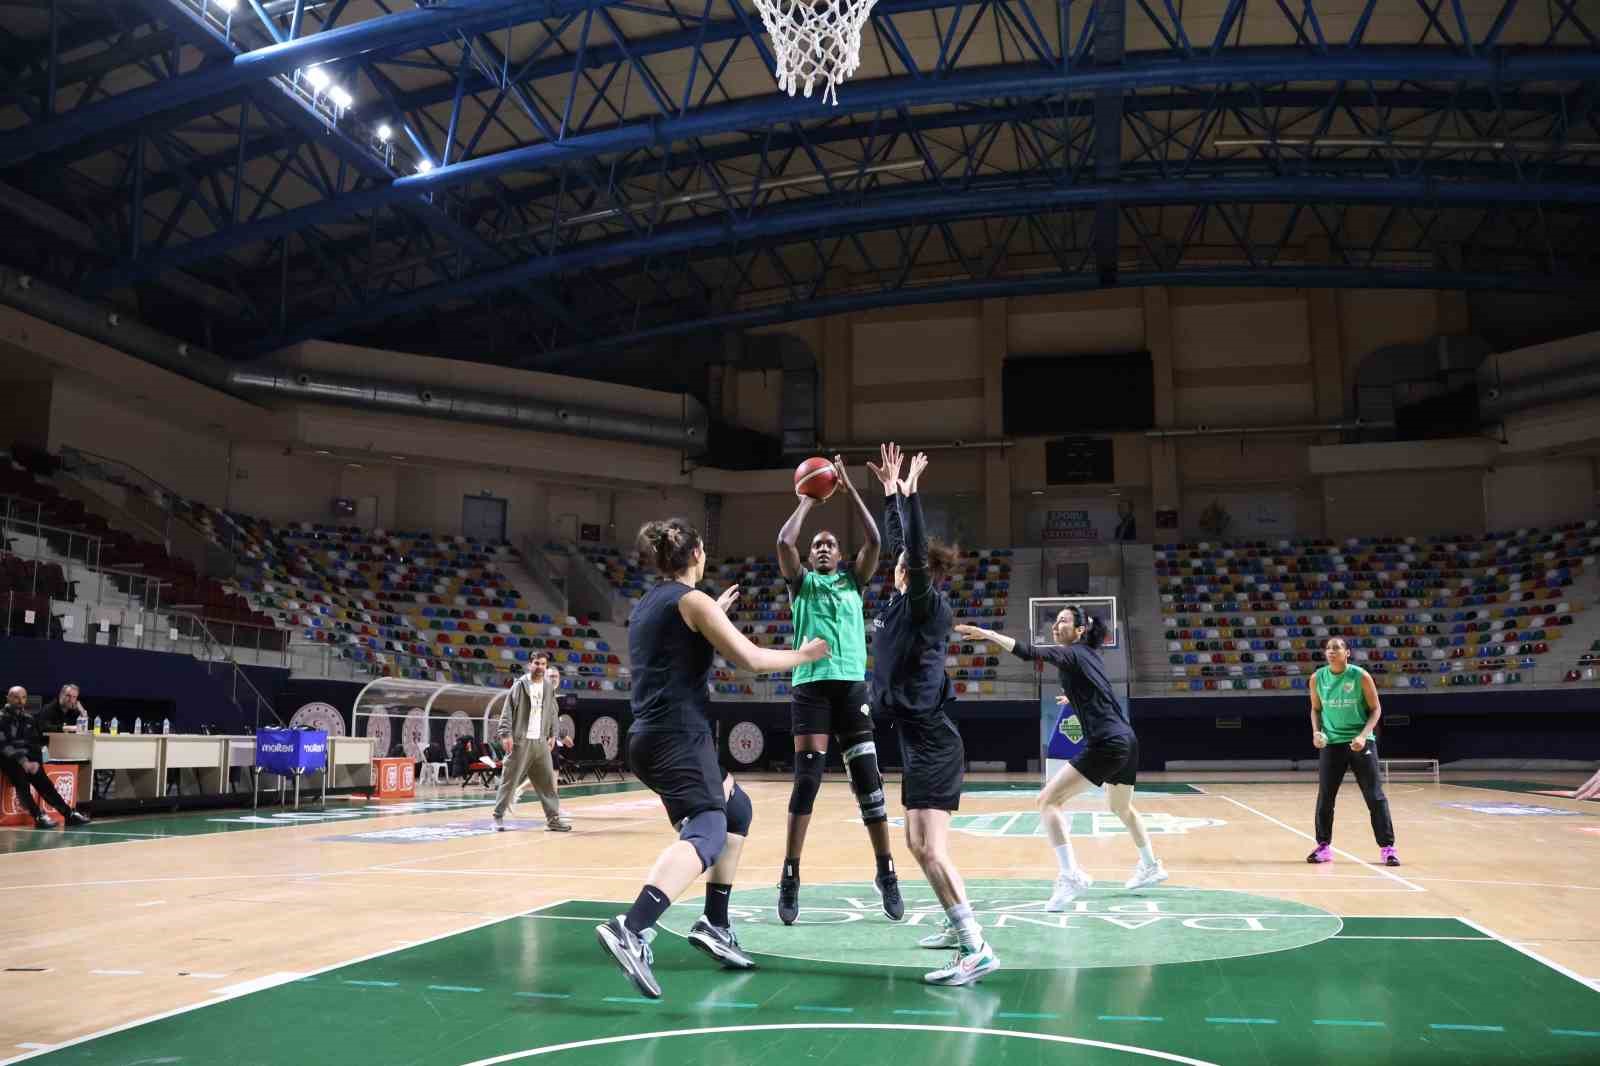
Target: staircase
[
  {"x": 1142, "y": 617},
  {"x": 1584, "y": 598}
]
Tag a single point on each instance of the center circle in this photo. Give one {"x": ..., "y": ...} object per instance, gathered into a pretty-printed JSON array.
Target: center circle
[{"x": 1108, "y": 925}]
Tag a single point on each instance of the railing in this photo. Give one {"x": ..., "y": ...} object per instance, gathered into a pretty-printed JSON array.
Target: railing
[
  {"x": 588, "y": 593},
  {"x": 216, "y": 652},
  {"x": 199, "y": 547},
  {"x": 1538, "y": 676},
  {"x": 20, "y": 517},
  {"x": 546, "y": 574},
  {"x": 87, "y": 466}
]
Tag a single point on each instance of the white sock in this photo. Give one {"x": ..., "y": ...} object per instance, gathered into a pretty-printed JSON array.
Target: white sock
[
  {"x": 1147, "y": 855},
  {"x": 966, "y": 927},
  {"x": 1064, "y": 858}
]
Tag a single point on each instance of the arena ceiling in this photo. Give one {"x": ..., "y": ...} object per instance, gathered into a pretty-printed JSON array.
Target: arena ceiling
[{"x": 535, "y": 182}]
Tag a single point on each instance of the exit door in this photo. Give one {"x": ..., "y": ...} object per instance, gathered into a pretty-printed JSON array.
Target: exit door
[{"x": 483, "y": 518}]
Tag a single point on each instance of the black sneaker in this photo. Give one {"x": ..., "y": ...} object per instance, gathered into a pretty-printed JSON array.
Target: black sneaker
[
  {"x": 888, "y": 886},
  {"x": 788, "y": 899},
  {"x": 42, "y": 821},
  {"x": 77, "y": 818},
  {"x": 631, "y": 952},
  {"x": 720, "y": 943}
]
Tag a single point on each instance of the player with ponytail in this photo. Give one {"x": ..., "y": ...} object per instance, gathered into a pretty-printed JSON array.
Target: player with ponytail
[{"x": 1111, "y": 757}]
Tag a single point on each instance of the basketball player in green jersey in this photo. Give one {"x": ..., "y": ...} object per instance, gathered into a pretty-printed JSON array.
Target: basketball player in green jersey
[
  {"x": 1344, "y": 711},
  {"x": 830, "y": 697}
]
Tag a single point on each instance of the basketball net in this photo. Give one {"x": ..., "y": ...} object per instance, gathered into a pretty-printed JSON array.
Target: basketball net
[{"x": 815, "y": 40}]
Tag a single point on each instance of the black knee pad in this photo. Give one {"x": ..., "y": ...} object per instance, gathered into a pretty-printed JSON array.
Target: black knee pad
[
  {"x": 866, "y": 781},
  {"x": 741, "y": 812},
  {"x": 807, "y": 780},
  {"x": 707, "y": 833}
]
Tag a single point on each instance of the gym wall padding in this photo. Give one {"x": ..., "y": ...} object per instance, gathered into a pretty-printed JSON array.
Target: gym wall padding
[{"x": 200, "y": 696}]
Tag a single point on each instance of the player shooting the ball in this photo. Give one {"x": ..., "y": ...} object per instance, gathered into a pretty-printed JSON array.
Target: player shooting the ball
[{"x": 830, "y": 696}]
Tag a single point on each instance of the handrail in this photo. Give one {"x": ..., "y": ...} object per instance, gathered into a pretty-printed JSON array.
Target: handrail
[
  {"x": 89, "y": 465},
  {"x": 238, "y": 675},
  {"x": 539, "y": 566}
]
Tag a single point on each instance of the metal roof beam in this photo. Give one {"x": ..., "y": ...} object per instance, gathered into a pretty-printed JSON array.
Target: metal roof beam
[
  {"x": 388, "y": 34},
  {"x": 882, "y": 95},
  {"x": 924, "y": 205}
]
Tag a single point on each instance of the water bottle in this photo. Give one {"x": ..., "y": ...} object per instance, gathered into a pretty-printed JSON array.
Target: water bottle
[
  {"x": 138, "y": 726},
  {"x": 113, "y": 727},
  {"x": 97, "y": 725},
  {"x": 166, "y": 726},
  {"x": 83, "y": 721}
]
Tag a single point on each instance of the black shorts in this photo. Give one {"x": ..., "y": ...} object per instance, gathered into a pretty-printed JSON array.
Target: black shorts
[
  {"x": 681, "y": 768},
  {"x": 836, "y": 708},
  {"x": 934, "y": 763},
  {"x": 1114, "y": 760}
]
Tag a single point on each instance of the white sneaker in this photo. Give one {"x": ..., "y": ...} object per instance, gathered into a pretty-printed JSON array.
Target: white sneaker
[
  {"x": 965, "y": 968},
  {"x": 1068, "y": 887},
  {"x": 1147, "y": 874},
  {"x": 942, "y": 937}
]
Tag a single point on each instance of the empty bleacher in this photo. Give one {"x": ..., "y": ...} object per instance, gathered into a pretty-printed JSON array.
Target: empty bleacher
[{"x": 1416, "y": 613}]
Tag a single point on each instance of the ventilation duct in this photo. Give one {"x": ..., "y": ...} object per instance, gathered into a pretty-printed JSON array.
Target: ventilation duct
[{"x": 257, "y": 380}]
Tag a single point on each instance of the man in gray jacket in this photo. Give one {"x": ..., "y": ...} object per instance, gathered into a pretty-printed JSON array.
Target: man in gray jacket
[{"x": 527, "y": 731}]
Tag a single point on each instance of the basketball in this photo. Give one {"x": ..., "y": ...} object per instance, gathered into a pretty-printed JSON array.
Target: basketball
[{"x": 815, "y": 478}]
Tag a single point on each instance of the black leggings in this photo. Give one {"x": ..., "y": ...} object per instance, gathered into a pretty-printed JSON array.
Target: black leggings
[
  {"x": 1336, "y": 758},
  {"x": 23, "y": 781}
]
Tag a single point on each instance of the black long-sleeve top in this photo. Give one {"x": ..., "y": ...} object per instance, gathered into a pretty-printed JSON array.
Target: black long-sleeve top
[
  {"x": 910, "y": 633},
  {"x": 1084, "y": 681},
  {"x": 19, "y": 735}
]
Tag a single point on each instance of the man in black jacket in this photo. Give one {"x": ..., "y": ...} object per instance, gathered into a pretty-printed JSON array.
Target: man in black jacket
[{"x": 20, "y": 762}]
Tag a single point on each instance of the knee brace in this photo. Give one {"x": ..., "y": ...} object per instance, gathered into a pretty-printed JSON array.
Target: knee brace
[
  {"x": 807, "y": 781},
  {"x": 707, "y": 833},
  {"x": 861, "y": 763},
  {"x": 740, "y": 812}
]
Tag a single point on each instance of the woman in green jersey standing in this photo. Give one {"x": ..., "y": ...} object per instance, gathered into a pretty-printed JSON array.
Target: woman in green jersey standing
[{"x": 1344, "y": 712}]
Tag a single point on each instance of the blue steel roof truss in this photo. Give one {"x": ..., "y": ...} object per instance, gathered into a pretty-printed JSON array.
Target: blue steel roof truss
[{"x": 598, "y": 173}]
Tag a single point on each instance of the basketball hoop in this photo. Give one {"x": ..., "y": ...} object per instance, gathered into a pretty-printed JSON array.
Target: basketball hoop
[{"x": 815, "y": 40}]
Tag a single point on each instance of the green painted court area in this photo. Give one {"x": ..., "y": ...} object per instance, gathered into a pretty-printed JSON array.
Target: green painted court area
[
  {"x": 1154, "y": 788},
  {"x": 166, "y": 826},
  {"x": 1161, "y": 976},
  {"x": 1525, "y": 787}
]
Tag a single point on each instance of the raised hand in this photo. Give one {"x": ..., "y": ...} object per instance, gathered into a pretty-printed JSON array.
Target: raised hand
[
  {"x": 842, "y": 472},
  {"x": 729, "y": 597},
  {"x": 888, "y": 472},
  {"x": 970, "y": 632},
  {"x": 919, "y": 463}
]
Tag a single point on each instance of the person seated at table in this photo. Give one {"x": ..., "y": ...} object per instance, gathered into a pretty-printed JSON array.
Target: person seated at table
[
  {"x": 22, "y": 762},
  {"x": 60, "y": 715}
]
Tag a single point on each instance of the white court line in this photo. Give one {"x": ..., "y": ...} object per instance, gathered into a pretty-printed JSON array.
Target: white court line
[
  {"x": 1474, "y": 939},
  {"x": 151, "y": 903},
  {"x": 1050, "y": 1038},
  {"x": 245, "y": 987},
  {"x": 1534, "y": 955},
  {"x": 309, "y": 973},
  {"x": 1511, "y": 884},
  {"x": 1360, "y": 862}
]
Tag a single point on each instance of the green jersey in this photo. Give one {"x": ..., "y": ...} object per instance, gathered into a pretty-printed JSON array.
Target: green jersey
[
  {"x": 1344, "y": 702},
  {"x": 829, "y": 606}
]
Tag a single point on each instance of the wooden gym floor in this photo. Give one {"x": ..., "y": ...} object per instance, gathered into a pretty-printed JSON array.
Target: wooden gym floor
[{"x": 412, "y": 933}]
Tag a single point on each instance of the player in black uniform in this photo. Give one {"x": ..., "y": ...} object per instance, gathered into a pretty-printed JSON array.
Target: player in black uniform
[
  {"x": 1111, "y": 757},
  {"x": 671, "y": 636},
  {"x": 909, "y": 684}
]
